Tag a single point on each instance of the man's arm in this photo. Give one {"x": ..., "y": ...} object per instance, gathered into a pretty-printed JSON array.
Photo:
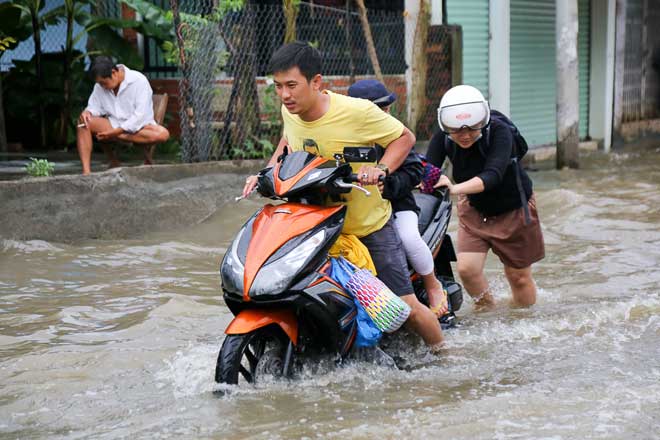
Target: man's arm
[
  {"x": 93, "y": 109},
  {"x": 395, "y": 153}
]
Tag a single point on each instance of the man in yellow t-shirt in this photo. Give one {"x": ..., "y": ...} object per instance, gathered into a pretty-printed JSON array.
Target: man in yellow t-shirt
[
  {"x": 348, "y": 122},
  {"x": 324, "y": 123}
]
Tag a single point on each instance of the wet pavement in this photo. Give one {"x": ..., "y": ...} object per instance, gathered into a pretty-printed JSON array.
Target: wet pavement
[{"x": 118, "y": 339}]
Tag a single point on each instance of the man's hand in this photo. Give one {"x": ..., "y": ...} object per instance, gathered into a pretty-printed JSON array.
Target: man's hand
[
  {"x": 369, "y": 175},
  {"x": 250, "y": 183},
  {"x": 84, "y": 119},
  {"x": 109, "y": 134},
  {"x": 444, "y": 181}
]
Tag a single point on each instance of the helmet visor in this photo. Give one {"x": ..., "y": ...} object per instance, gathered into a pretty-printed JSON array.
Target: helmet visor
[{"x": 471, "y": 115}]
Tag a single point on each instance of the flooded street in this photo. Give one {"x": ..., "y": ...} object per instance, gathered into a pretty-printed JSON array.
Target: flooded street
[{"x": 119, "y": 339}]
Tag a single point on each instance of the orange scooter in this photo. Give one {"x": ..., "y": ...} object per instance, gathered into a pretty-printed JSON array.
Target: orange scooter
[{"x": 275, "y": 275}]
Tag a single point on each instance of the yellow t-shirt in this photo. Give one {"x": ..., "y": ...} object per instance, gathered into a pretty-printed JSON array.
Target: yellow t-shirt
[{"x": 348, "y": 122}]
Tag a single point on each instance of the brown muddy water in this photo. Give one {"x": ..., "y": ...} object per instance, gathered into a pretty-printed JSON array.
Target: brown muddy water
[{"x": 118, "y": 339}]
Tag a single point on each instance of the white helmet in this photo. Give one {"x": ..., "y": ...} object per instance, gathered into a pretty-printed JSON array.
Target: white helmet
[{"x": 463, "y": 106}]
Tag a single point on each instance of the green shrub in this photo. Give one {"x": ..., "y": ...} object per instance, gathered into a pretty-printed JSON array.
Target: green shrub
[{"x": 39, "y": 168}]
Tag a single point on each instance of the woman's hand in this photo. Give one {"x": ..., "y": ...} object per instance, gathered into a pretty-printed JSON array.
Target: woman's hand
[{"x": 444, "y": 181}]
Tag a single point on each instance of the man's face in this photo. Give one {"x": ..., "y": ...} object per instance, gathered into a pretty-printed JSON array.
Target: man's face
[
  {"x": 296, "y": 93},
  {"x": 110, "y": 83}
]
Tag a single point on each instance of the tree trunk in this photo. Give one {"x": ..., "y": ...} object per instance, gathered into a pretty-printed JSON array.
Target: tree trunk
[
  {"x": 349, "y": 41},
  {"x": 66, "y": 70},
  {"x": 37, "y": 60},
  {"x": 243, "y": 108},
  {"x": 188, "y": 126},
  {"x": 419, "y": 66},
  {"x": 371, "y": 48},
  {"x": 290, "y": 14}
]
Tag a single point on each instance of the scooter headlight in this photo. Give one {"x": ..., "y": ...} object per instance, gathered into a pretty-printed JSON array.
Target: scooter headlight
[
  {"x": 232, "y": 270},
  {"x": 274, "y": 277}
]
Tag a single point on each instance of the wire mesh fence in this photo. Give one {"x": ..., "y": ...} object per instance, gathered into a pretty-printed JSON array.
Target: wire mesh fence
[
  {"x": 230, "y": 109},
  {"x": 227, "y": 106}
]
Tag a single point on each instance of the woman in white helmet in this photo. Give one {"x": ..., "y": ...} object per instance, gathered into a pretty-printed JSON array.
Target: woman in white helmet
[{"x": 492, "y": 190}]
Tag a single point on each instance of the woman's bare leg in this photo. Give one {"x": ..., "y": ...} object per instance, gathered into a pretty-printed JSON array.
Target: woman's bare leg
[
  {"x": 471, "y": 270},
  {"x": 523, "y": 288}
]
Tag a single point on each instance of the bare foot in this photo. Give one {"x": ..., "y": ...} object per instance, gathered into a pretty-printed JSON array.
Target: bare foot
[
  {"x": 437, "y": 348},
  {"x": 437, "y": 295},
  {"x": 484, "y": 302}
]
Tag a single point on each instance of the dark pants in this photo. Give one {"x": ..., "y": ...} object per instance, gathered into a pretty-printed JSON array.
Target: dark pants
[{"x": 389, "y": 258}]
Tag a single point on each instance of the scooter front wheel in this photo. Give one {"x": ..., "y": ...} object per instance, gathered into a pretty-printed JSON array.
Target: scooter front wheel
[{"x": 246, "y": 356}]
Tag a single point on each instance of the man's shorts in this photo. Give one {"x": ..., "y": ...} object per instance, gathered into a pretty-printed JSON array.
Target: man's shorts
[
  {"x": 516, "y": 244},
  {"x": 389, "y": 258}
]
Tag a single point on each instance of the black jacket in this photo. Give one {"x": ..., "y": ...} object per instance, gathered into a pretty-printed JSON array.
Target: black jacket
[
  {"x": 491, "y": 163},
  {"x": 398, "y": 186}
]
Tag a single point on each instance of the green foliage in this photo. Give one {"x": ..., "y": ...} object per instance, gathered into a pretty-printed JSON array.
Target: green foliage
[
  {"x": 261, "y": 149},
  {"x": 106, "y": 41},
  {"x": 158, "y": 23},
  {"x": 19, "y": 85},
  {"x": 169, "y": 148},
  {"x": 15, "y": 25},
  {"x": 226, "y": 6},
  {"x": 39, "y": 168},
  {"x": 6, "y": 43},
  {"x": 270, "y": 103}
]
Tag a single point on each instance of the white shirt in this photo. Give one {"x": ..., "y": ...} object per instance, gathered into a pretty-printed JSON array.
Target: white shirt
[{"x": 131, "y": 109}]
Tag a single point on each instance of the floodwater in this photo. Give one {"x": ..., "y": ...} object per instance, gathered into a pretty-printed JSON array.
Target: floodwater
[{"x": 118, "y": 339}]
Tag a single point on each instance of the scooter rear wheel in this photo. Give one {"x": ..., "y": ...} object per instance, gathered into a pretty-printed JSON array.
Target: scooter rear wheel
[{"x": 239, "y": 356}]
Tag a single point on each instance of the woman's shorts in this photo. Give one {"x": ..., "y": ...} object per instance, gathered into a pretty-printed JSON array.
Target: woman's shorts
[{"x": 516, "y": 244}]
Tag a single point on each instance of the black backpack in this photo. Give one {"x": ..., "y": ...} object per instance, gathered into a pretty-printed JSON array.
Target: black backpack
[{"x": 519, "y": 149}]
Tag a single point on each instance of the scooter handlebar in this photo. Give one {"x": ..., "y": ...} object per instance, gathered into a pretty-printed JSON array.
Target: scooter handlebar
[{"x": 354, "y": 178}]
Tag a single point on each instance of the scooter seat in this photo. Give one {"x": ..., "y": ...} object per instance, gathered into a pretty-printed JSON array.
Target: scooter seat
[{"x": 428, "y": 205}]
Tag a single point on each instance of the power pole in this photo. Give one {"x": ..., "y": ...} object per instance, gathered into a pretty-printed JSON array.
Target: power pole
[{"x": 568, "y": 101}]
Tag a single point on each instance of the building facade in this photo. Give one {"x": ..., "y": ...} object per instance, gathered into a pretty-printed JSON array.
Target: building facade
[{"x": 509, "y": 53}]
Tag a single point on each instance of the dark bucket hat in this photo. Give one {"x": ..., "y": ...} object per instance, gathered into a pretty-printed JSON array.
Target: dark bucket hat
[{"x": 373, "y": 90}]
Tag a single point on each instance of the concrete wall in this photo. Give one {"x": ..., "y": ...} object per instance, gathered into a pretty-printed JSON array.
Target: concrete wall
[{"x": 119, "y": 203}]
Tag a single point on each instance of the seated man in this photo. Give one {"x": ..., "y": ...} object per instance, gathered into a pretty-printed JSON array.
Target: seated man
[{"x": 119, "y": 109}]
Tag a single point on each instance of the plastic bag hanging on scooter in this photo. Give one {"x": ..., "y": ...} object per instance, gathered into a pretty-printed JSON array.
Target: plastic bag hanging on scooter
[{"x": 386, "y": 310}]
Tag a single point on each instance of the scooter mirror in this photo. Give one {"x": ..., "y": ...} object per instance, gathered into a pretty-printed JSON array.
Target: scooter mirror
[{"x": 360, "y": 154}]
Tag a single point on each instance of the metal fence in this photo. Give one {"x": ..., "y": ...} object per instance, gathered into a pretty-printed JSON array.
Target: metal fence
[
  {"x": 228, "y": 106},
  {"x": 229, "y": 109}
]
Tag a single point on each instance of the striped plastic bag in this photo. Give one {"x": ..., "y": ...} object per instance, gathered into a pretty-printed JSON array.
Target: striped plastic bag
[{"x": 386, "y": 310}]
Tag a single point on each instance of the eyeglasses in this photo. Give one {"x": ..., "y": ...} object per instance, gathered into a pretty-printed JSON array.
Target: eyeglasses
[{"x": 475, "y": 127}]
